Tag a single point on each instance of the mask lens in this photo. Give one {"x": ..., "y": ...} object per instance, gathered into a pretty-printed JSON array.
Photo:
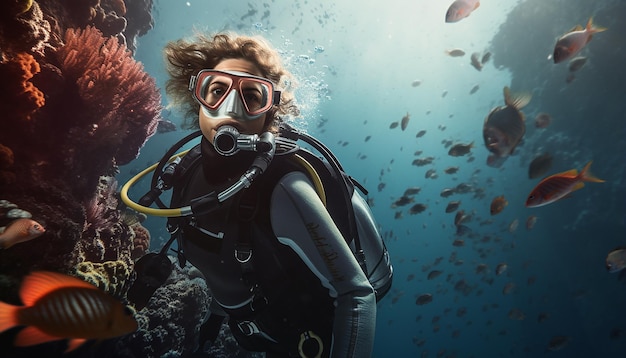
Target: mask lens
[
  {"x": 255, "y": 95},
  {"x": 214, "y": 90},
  {"x": 213, "y": 87}
]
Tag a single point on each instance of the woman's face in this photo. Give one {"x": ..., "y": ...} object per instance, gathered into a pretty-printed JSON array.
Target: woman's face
[{"x": 209, "y": 126}]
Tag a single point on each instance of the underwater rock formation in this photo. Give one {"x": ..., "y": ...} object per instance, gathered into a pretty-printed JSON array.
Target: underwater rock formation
[
  {"x": 168, "y": 324},
  {"x": 587, "y": 109},
  {"x": 23, "y": 27}
]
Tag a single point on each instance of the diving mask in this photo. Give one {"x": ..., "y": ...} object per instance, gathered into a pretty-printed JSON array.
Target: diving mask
[{"x": 233, "y": 94}]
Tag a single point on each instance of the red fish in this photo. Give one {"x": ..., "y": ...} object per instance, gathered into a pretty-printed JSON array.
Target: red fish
[
  {"x": 497, "y": 205},
  {"x": 20, "y": 230},
  {"x": 461, "y": 9},
  {"x": 568, "y": 45},
  {"x": 58, "y": 306},
  {"x": 559, "y": 185}
]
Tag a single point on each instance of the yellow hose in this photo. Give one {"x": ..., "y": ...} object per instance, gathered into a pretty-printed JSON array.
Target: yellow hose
[
  {"x": 175, "y": 212},
  {"x": 317, "y": 181}
]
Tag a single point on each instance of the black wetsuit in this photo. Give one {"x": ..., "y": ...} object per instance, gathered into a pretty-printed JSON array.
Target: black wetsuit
[{"x": 302, "y": 280}]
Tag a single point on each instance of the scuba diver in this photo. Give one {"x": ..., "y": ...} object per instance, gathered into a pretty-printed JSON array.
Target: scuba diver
[{"x": 288, "y": 248}]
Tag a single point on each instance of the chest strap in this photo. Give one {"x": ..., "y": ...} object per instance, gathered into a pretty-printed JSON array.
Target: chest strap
[{"x": 244, "y": 248}]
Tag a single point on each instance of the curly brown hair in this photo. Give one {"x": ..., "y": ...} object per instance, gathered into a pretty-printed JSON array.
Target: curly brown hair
[{"x": 186, "y": 58}]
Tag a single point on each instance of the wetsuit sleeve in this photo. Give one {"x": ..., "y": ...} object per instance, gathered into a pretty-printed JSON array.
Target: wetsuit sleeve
[{"x": 300, "y": 221}]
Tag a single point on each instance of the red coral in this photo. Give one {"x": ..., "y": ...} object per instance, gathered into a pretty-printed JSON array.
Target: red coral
[{"x": 20, "y": 95}]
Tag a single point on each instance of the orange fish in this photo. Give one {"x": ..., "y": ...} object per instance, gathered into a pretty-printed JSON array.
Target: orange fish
[
  {"x": 498, "y": 204},
  {"x": 20, "y": 230},
  {"x": 568, "y": 45},
  {"x": 461, "y": 9},
  {"x": 58, "y": 306},
  {"x": 558, "y": 186}
]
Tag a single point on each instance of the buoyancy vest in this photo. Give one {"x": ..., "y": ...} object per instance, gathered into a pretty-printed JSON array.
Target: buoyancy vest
[
  {"x": 287, "y": 297},
  {"x": 187, "y": 184},
  {"x": 378, "y": 265}
]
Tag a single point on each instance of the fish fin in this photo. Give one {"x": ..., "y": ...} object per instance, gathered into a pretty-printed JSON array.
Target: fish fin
[
  {"x": 576, "y": 28},
  {"x": 40, "y": 283},
  {"x": 569, "y": 173},
  {"x": 4, "y": 243},
  {"x": 593, "y": 29},
  {"x": 31, "y": 336},
  {"x": 517, "y": 100},
  {"x": 8, "y": 318},
  {"x": 585, "y": 174},
  {"x": 75, "y": 343},
  {"x": 578, "y": 186}
]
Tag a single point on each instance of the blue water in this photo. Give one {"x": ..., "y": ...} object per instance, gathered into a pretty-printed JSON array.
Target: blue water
[{"x": 355, "y": 62}]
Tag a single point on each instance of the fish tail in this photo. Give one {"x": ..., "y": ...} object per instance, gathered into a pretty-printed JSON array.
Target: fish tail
[
  {"x": 517, "y": 100},
  {"x": 593, "y": 29},
  {"x": 585, "y": 174},
  {"x": 8, "y": 317}
]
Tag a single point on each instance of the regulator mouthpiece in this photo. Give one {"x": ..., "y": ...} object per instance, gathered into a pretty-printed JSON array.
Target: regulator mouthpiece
[{"x": 228, "y": 141}]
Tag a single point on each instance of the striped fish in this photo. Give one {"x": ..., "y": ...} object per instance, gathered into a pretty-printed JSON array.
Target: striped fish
[
  {"x": 58, "y": 306},
  {"x": 560, "y": 185}
]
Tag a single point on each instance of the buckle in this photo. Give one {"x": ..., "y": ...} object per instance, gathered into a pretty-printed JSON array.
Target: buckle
[
  {"x": 261, "y": 302},
  {"x": 248, "y": 328},
  {"x": 310, "y": 345},
  {"x": 243, "y": 256}
]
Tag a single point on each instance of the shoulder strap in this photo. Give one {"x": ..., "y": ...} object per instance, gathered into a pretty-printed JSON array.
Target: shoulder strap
[
  {"x": 179, "y": 179},
  {"x": 334, "y": 189}
]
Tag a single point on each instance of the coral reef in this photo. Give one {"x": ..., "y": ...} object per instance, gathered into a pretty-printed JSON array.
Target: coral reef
[
  {"x": 75, "y": 105},
  {"x": 103, "y": 254},
  {"x": 112, "y": 277}
]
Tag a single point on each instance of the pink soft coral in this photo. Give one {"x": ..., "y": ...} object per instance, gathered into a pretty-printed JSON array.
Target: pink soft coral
[{"x": 121, "y": 98}]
